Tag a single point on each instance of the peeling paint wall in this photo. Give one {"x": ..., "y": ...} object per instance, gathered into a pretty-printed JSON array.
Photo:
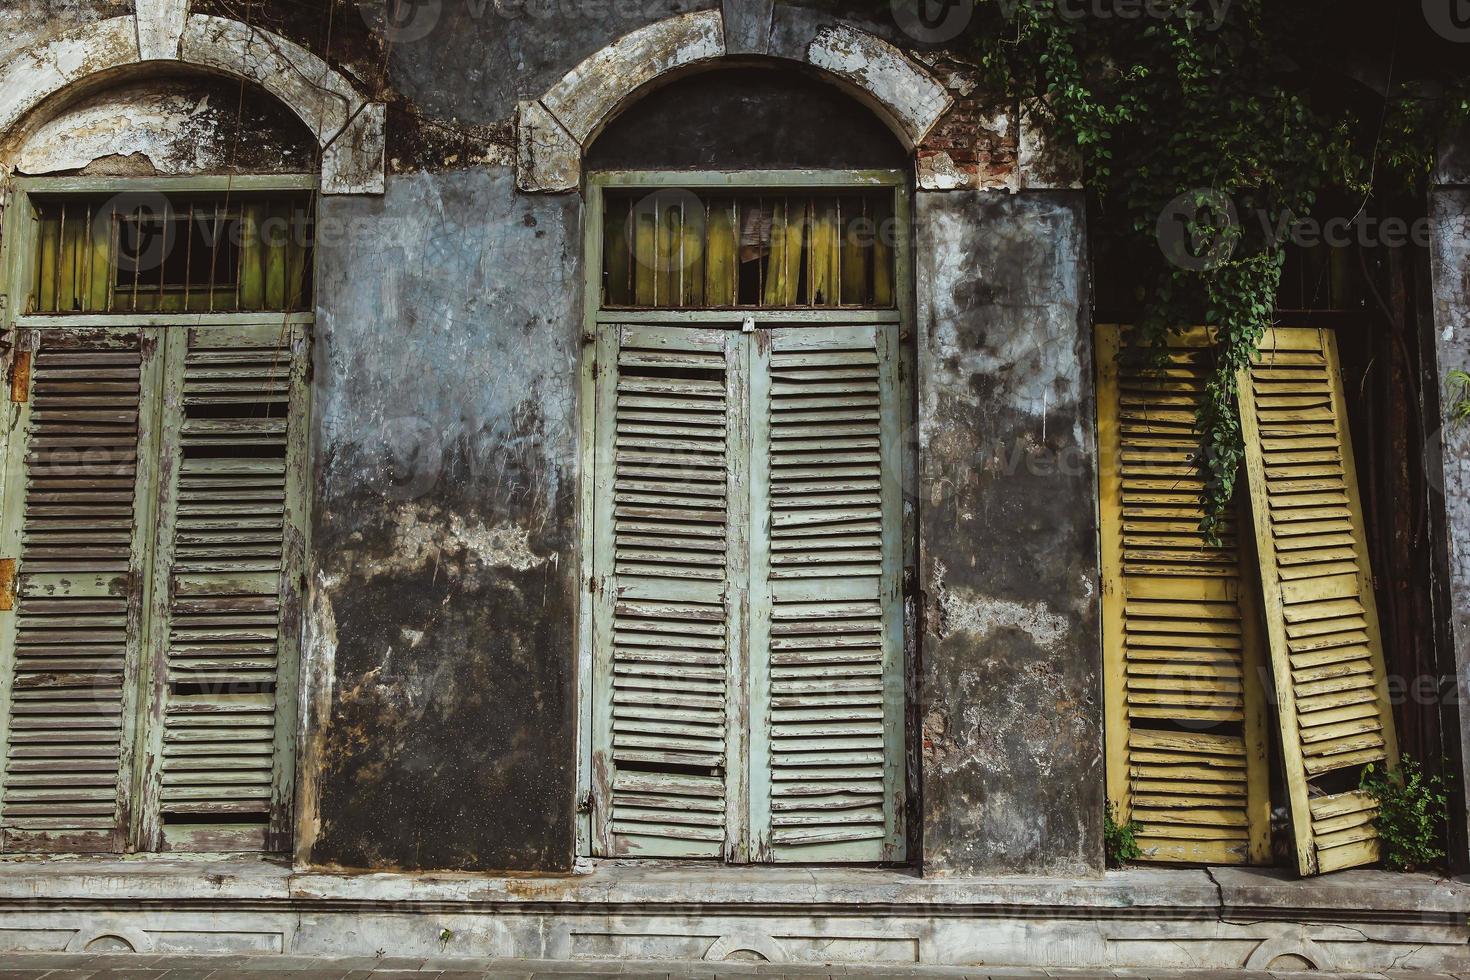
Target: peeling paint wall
[
  {"x": 445, "y": 395},
  {"x": 1450, "y": 263},
  {"x": 170, "y": 127},
  {"x": 439, "y": 687},
  {"x": 1010, "y": 703}
]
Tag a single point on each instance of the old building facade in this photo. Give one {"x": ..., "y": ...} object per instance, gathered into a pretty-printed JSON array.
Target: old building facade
[{"x": 651, "y": 480}]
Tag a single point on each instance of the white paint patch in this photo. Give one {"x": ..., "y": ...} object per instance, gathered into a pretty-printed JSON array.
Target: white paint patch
[
  {"x": 938, "y": 172},
  {"x": 588, "y": 94},
  {"x": 418, "y": 542},
  {"x": 963, "y": 612},
  {"x": 885, "y": 74},
  {"x": 160, "y": 25},
  {"x": 160, "y": 126}
]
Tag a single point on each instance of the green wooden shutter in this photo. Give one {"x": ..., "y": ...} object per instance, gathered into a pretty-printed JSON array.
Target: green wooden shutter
[
  {"x": 1182, "y": 649},
  {"x": 76, "y": 514},
  {"x": 227, "y": 589},
  {"x": 826, "y": 699},
  {"x": 1327, "y": 659},
  {"x": 668, "y": 566}
]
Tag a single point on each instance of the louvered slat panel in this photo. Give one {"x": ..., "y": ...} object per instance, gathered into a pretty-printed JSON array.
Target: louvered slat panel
[
  {"x": 225, "y": 560},
  {"x": 74, "y": 633},
  {"x": 663, "y": 627},
  {"x": 1326, "y": 655},
  {"x": 827, "y": 684},
  {"x": 1185, "y": 707}
]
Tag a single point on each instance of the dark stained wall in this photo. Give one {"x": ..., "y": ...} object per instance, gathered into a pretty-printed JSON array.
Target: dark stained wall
[
  {"x": 747, "y": 118},
  {"x": 443, "y": 599},
  {"x": 1010, "y": 705}
]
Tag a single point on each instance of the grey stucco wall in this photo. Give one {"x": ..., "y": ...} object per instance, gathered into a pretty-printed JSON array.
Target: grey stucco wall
[
  {"x": 1449, "y": 208},
  {"x": 1010, "y": 706},
  {"x": 443, "y": 607}
]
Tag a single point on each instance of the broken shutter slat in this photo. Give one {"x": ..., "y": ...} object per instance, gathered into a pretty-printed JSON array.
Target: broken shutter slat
[
  {"x": 1318, "y": 590},
  {"x": 76, "y": 514},
  {"x": 1183, "y": 654},
  {"x": 668, "y": 592},
  {"x": 226, "y": 597},
  {"x": 826, "y": 617}
]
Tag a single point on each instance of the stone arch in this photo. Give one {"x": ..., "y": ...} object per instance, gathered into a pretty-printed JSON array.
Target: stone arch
[
  {"x": 553, "y": 131},
  {"x": 760, "y": 946},
  {"x": 347, "y": 127},
  {"x": 1293, "y": 945}
]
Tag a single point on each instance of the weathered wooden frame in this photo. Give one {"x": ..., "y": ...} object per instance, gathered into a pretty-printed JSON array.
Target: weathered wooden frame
[
  {"x": 17, "y": 249},
  {"x": 595, "y": 318}
]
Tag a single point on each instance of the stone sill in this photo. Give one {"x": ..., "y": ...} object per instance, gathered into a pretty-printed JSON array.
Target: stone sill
[{"x": 1161, "y": 892}]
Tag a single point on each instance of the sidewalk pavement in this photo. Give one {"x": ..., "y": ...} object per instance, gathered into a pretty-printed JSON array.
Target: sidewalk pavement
[{"x": 152, "y": 966}]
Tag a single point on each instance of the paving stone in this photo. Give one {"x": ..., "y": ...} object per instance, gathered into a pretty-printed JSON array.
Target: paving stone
[
  {"x": 35, "y": 974},
  {"x": 204, "y": 961},
  {"x": 44, "y": 960}
]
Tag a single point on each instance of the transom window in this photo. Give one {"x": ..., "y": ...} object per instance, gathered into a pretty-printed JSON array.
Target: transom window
[
  {"x": 140, "y": 252},
  {"x": 680, "y": 248}
]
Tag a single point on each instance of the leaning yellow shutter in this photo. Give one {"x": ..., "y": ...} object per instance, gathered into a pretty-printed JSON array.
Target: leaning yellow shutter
[
  {"x": 1331, "y": 687},
  {"x": 1185, "y": 709}
]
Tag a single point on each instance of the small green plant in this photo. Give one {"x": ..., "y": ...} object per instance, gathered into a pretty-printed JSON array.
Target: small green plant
[
  {"x": 444, "y": 936},
  {"x": 1412, "y": 811},
  {"x": 1120, "y": 840},
  {"x": 1459, "y": 397}
]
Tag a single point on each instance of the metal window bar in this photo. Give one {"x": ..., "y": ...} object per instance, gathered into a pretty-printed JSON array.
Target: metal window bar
[
  {"x": 812, "y": 250},
  {"x": 99, "y": 255}
]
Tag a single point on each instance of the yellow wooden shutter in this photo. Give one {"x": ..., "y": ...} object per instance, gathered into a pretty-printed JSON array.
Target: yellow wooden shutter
[
  {"x": 76, "y": 514},
  {"x": 669, "y": 545},
  {"x": 226, "y": 603},
  {"x": 826, "y": 634},
  {"x": 1326, "y": 657},
  {"x": 1185, "y": 707}
]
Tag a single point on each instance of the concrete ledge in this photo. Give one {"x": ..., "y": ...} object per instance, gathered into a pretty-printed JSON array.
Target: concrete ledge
[{"x": 1142, "y": 918}]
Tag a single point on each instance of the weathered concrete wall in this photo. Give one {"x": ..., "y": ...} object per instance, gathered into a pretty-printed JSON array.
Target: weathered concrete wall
[
  {"x": 472, "y": 61},
  {"x": 1450, "y": 269},
  {"x": 444, "y": 608},
  {"x": 168, "y": 127},
  {"x": 24, "y": 23},
  {"x": 1010, "y": 702}
]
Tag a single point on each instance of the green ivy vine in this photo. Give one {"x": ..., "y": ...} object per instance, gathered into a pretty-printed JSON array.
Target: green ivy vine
[{"x": 1241, "y": 115}]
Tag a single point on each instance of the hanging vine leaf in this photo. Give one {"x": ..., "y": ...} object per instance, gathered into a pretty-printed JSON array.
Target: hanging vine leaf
[{"x": 1207, "y": 131}]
